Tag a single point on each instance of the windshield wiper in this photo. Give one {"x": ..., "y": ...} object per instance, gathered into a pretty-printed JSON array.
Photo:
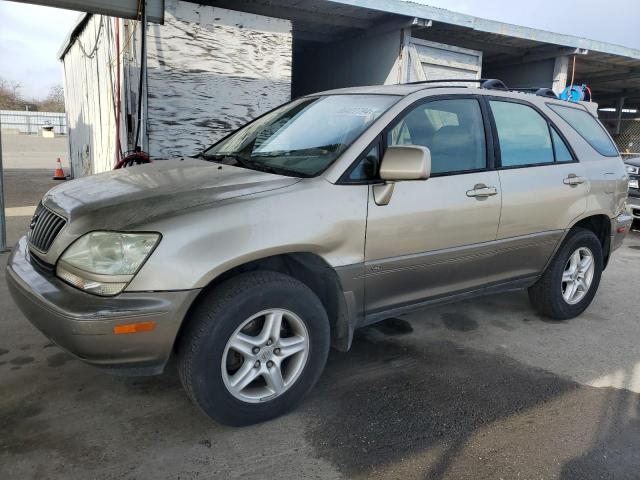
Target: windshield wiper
[
  {"x": 264, "y": 167},
  {"x": 239, "y": 161},
  {"x": 228, "y": 159}
]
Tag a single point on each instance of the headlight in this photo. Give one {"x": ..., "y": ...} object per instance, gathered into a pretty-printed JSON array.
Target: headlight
[
  {"x": 105, "y": 262},
  {"x": 632, "y": 169}
]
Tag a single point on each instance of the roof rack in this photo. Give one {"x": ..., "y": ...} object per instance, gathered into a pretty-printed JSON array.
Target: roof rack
[
  {"x": 493, "y": 84},
  {"x": 447, "y": 80},
  {"x": 540, "y": 91}
]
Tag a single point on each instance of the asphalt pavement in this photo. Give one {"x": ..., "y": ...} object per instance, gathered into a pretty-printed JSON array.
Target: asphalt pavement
[{"x": 482, "y": 389}]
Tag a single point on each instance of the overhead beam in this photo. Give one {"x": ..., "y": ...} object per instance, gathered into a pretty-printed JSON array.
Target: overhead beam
[
  {"x": 312, "y": 36},
  {"x": 392, "y": 26},
  {"x": 444, "y": 37},
  {"x": 292, "y": 13},
  {"x": 112, "y": 8},
  {"x": 626, "y": 75},
  {"x": 538, "y": 55},
  {"x": 627, "y": 94}
]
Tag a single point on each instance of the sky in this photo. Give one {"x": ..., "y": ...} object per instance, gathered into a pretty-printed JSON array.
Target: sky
[{"x": 30, "y": 36}]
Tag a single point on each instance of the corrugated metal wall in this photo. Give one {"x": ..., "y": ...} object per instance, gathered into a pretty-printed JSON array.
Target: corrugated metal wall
[{"x": 210, "y": 70}]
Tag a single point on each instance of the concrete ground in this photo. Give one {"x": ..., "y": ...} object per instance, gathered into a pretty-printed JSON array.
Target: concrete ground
[
  {"x": 23, "y": 189},
  {"x": 33, "y": 151},
  {"x": 483, "y": 389},
  {"x": 29, "y": 162}
]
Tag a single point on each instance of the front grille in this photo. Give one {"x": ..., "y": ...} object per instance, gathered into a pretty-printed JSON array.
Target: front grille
[
  {"x": 45, "y": 227},
  {"x": 41, "y": 265}
]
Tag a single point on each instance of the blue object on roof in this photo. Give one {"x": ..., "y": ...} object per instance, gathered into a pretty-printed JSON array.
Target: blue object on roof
[{"x": 574, "y": 93}]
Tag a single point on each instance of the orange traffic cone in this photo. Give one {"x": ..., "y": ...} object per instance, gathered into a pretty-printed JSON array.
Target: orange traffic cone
[{"x": 59, "y": 173}]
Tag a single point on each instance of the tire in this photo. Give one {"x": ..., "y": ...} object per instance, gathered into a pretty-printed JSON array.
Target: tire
[
  {"x": 217, "y": 319},
  {"x": 547, "y": 295}
]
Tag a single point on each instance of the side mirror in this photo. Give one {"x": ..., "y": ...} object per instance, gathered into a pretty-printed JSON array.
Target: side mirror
[
  {"x": 401, "y": 162},
  {"x": 406, "y": 162}
]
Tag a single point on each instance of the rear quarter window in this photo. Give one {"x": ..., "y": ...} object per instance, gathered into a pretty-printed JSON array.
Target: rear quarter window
[{"x": 588, "y": 127}]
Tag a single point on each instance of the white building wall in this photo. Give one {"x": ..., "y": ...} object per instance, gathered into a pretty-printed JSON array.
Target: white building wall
[
  {"x": 89, "y": 79},
  {"x": 210, "y": 70}
]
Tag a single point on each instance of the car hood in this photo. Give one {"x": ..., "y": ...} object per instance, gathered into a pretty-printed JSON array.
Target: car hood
[{"x": 139, "y": 194}]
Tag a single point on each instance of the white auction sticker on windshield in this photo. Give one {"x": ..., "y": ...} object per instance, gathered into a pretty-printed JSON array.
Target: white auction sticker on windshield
[{"x": 357, "y": 111}]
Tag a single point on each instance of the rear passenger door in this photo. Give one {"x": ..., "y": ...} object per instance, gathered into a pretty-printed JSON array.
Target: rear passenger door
[{"x": 542, "y": 183}]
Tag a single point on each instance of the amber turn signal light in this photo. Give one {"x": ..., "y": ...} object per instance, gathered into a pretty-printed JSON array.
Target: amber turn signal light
[{"x": 134, "y": 327}]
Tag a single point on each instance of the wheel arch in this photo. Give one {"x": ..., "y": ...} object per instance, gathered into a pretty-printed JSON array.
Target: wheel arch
[
  {"x": 600, "y": 225},
  {"x": 310, "y": 269}
]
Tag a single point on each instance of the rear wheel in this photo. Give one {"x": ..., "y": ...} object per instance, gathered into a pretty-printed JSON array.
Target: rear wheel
[
  {"x": 570, "y": 282},
  {"x": 253, "y": 347}
]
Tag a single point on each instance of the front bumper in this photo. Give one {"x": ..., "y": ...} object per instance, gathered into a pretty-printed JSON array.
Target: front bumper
[
  {"x": 82, "y": 323},
  {"x": 633, "y": 204},
  {"x": 620, "y": 226}
]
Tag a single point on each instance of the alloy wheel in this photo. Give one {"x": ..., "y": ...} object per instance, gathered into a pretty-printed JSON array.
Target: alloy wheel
[
  {"x": 265, "y": 355},
  {"x": 577, "y": 275}
]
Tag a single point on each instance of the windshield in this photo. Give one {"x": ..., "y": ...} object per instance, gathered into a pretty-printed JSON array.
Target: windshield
[{"x": 304, "y": 137}]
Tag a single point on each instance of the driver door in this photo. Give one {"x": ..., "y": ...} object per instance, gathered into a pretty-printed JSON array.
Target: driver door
[{"x": 435, "y": 237}]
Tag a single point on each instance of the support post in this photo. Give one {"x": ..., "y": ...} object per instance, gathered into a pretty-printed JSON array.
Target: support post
[
  {"x": 560, "y": 74},
  {"x": 619, "y": 107},
  {"x": 3, "y": 228}
]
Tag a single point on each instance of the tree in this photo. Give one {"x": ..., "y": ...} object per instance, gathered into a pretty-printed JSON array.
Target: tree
[
  {"x": 10, "y": 96},
  {"x": 54, "y": 101}
]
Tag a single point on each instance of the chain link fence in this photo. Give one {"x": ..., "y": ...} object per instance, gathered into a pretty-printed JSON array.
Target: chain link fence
[
  {"x": 31, "y": 123},
  {"x": 628, "y": 140}
]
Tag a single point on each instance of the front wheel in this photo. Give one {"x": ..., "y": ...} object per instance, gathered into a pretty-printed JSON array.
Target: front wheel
[
  {"x": 253, "y": 347},
  {"x": 570, "y": 282}
]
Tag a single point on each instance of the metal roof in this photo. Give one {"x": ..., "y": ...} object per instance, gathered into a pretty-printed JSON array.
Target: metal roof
[
  {"x": 408, "y": 8},
  {"x": 611, "y": 70}
]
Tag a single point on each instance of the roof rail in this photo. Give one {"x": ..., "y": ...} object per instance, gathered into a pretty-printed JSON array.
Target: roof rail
[
  {"x": 493, "y": 84},
  {"x": 488, "y": 83},
  {"x": 446, "y": 80},
  {"x": 539, "y": 91}
]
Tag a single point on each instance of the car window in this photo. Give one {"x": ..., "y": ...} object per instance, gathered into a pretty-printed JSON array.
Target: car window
[
  {"x": 368, "y": 166},
  {"x": 588, "y": 127},
  {"x": 562, "y": 151},
  {"x": 453, "y": 130},
  {"x": 523, "y": 134}
]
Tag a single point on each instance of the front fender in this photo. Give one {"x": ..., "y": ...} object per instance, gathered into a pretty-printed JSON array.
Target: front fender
[{"x": 312, "y": 216}]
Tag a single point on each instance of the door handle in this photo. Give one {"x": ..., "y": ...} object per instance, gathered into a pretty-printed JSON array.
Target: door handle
[
  {"x": 480, "y": 190},
  {"x": 573, "y": 180}
]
